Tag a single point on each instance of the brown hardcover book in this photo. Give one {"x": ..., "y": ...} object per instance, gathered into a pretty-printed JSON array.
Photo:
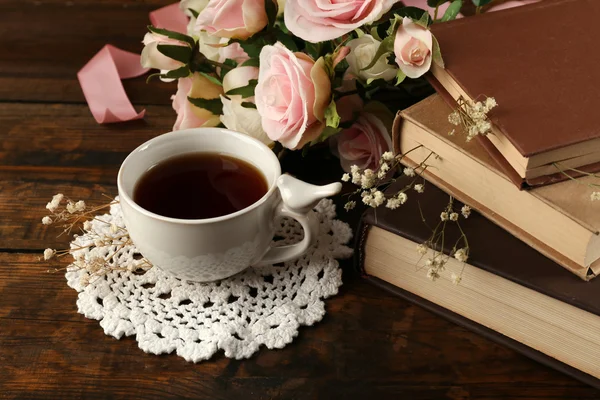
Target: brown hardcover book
[
  {"x": 559, "y": 220},
  {"x": 509, "y": 292},
  {"x": 535, "y": 60}
]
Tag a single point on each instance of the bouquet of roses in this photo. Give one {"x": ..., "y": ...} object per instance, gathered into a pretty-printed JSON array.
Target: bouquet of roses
[{"x": 296, "y": 72}]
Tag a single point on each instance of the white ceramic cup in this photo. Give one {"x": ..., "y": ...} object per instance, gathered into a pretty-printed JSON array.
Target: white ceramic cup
[{"x": 209, "y": 249}]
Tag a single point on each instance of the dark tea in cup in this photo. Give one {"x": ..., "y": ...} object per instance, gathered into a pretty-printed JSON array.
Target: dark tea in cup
[{"x": 199, "y": 186}]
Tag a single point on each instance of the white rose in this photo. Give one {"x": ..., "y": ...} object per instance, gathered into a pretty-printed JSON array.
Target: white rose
[
  {"x": 237, "y": 78},
  {"x": 196, "y": 5},
  {"x": 362, "y": 51},
  {"x": 243, "y": 119}
]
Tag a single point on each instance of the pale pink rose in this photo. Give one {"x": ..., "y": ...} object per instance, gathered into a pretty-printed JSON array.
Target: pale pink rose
[
  {"x": 152, "y": 58},
  {"x": 363, "y": 143},
  {"x": 238, "y": 19},
  {"x": 413, "y": 45},
  {"x": 292, "y": 94},
  {"x": 239, "y": 77},
  {"x": 233, "y": 52},
  {"x": 321, "y": 20},
  {"x": 188, "y": 115}
]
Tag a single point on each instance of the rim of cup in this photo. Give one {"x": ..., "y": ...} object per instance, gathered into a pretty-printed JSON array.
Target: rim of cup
[{"x": 156, "y": 141}]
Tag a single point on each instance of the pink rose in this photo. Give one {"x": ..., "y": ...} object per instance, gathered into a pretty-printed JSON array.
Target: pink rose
[
  {"x": 364, "y": 142},
  {"x": 152, "y": 58},
  {"x": 321, "y": 20},
  {"x": 188, "y": 115},
  {"x": 412, "y": 46},
  {"x": 422, "y": 4},
  {"x": 237, "y": 19},
  {"x": 292, "y": 94}
]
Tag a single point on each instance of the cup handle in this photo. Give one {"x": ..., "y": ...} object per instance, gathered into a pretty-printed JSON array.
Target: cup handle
[{"x": 298, "y": 198}]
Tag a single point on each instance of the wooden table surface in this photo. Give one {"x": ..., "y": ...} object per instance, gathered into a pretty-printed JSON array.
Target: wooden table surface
[{"x": 369, "y": 345}]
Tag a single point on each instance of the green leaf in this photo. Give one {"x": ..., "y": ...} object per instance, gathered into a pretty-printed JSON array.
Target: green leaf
[
  {"x": 215, "y": 106},
  {"x": 385, "y": 46},
  {"x": 149, "y": 78},
  {"x": 400, "y": 76},
  {"x": 286, "y": 39},
  {"x": 452, "y": 11},
  {"x": 252, "y": 62},
  {"x": 437, "y": 53},
  {"x": 179, "y": 53},
  {"x": 173, "y": 35},
  {"x": 425, "y": 20},
  {"x": 375, "y": 34},
  {"x": 481, "y": 3},
  {"x": 245, "y": 91},
  {"x": 182, "y": 72},
  {"x": 193, "y": 12},
  {"x": 230, "y": 63},
  {"x": 248, "y": 104},
  {"x": 251, "y": 48},
  {"x": 211, "y": 78},
  {"x": 435, "y": 3},
  {"x": 313, "y": 49},
  {"x": 332, "y": 118}
]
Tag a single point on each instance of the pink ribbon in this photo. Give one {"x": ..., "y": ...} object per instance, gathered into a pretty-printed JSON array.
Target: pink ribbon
[{"x": 100, "y": 78}]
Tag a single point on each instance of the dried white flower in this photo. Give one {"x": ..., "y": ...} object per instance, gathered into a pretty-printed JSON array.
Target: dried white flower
[
  {"x": 367, "y": 179},
  {"x": 345, "y": 177},
  {"x": 80, "y": 205},
  {"x": 55, "y": 202},
  {"x": 402, "y": 197},
  {"x": 444, "y": 216},
  {"x": 595, "y": 196},
  {"x": 466, "y": 211},
  {"x": 46, "y": 220},
  {"x": 409, "y": 171},
  {"x": 419, "y": 188},
  {"x": 114, "y": 228},
  {"x": 422, "y": 249},
  {"x": 461, "y": 255},
  {"x": 356, "y": 175},
  {"x": 378, "y": 198},
  {"x": 387, "y": 156},
  {"x": 49, "y": 253},
  {"x": 453, "y": 216},
  {"x": 349, "y": 205},
  {"x": 98, "y": 242},
  {"x": 87, "y": 225},
  {"x": 433, "y": 274},
  {"x": 454, "y": 118},
  {"x": 490, "y": 103},
  {"x": 383, "y": 169},
  {"x": 71, "y": 207},
  {"x": 393, "y": 203},
  {"x": 455, "y": 279}
]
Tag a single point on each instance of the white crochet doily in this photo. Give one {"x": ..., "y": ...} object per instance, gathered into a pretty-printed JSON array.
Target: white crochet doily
[{"x": 260, "y": 306}]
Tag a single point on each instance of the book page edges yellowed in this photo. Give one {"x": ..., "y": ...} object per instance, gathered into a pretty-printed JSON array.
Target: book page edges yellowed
[
  {"x": 541, "y": 322},
  {"x": 571, "y": 198},
  {"x": 562, "y": 240},
  {"x": 577, "y": 155}
]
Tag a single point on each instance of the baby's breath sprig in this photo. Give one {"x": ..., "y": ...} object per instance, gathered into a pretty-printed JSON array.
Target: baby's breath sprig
[
  {"x": 104, "y": 246},
  {"x": 433, "y": 248},
  {"x": 372, "y": 183},
  {"x": 473, "y": 116}
]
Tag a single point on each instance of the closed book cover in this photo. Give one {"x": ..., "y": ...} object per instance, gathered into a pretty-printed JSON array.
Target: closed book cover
[
  {"x": 535, "y": 61},
  {"x": 558, "y": 220},
  {"x": 492, "y": 250}
]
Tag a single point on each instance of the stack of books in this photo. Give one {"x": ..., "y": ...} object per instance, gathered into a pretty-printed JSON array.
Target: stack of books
[{"x": 535, "y": 243}]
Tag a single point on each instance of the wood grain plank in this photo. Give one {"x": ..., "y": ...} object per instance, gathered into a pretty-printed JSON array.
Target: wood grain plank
[
  {"x": 40, "y": 62},
  {"x": 369, "y": 344}
]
